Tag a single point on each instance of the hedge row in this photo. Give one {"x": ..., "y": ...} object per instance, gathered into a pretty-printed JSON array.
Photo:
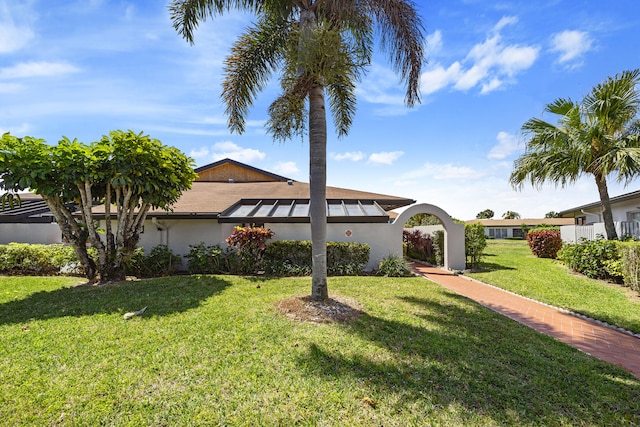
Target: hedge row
[
  {"x": 293, "y": 258},
  {"x": 38, "y": 259}
]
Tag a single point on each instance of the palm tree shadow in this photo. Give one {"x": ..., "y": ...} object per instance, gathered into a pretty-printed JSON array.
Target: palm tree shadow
[
  {"x": 161, "y": 296},
  {"x": 465, "y": 356}
]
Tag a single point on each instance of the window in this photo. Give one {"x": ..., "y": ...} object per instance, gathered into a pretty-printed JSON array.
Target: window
[
  {"x": 517, "y": 233},
  {"x": 498, "y": 233},
  {"x": 633, "y": 216}
]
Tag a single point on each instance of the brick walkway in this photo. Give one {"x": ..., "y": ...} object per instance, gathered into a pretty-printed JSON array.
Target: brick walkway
[{"x": 597, "y": 340}]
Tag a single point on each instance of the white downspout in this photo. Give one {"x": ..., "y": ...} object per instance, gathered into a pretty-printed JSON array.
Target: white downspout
[{"x": 161, "y": 227}]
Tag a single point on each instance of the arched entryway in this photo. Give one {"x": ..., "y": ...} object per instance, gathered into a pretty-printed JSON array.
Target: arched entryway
[{"x": 454, "y": 258}]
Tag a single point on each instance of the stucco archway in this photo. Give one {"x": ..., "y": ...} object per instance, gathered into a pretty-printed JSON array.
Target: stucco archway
[{"x": 454, "y": 258}]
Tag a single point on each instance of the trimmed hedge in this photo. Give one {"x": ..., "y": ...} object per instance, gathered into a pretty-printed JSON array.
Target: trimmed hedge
[
  {"x": 631, "y": 264},
  {"x": 293, "y": 258},
  {"x": 37, "y": 259},
  {"x": 545, "y": 243},
  {"x": 597, "y": 259}
]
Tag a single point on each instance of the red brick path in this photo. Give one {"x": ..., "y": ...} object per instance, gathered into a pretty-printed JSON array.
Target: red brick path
[{"x": 597, "y": 340}]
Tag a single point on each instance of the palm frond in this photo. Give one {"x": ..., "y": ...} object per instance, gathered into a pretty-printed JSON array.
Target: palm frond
[
  {"x": 402, "y": 36},
  {"x": 616, "y": 101},
  {"x": 253, "y": 58}
]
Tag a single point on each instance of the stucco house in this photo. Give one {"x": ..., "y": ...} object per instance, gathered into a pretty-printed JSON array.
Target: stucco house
[
  {"x": 228, "y": 193},
  {"x": 587, "y": 222},
  {"x": 515, "y": 228}
]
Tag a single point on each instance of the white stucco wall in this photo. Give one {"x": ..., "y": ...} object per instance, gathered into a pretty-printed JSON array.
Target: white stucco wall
[
  {"x": 454, "y": 256},
  {"x": 30, "y": 233},
  {"x": 618, "y": 210}
]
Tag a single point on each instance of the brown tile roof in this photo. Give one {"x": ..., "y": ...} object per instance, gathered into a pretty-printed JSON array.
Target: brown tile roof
[{"x": 212, "y": 198}]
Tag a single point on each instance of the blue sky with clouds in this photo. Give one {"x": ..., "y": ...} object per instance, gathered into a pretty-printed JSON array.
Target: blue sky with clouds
[{"x": 82, "y": 68}]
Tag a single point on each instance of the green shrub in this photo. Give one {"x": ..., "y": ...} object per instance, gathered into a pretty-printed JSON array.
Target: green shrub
[
  {"x": 544, "y": 243},
  {"x": 293, "y": 258},
  {"x": 438, "y": 247},
  {"x": 475, "y": 242},
  {"x": 36, "y": 259},
  {"x": 205, "y": 259},
  {"x": 347, "y": 258},
  {"x": 159, "y": 262},
  {"x": 250, "y": 244},
  {"x": 419, "y": 245},
  {"x": 394, "y": 266},
  {"x": 593, "y": 258},
  {"x": 288, "y": 258},
  {"x": 631, "y": 264}
]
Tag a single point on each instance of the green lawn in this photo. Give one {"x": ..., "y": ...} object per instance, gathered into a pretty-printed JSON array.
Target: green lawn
[
  {"x": 510, "y": 265},
  {"x": 213, "y": 350}
]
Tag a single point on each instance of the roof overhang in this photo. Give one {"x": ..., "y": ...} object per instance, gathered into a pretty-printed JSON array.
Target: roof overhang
[{"x": 297, "y": 211}]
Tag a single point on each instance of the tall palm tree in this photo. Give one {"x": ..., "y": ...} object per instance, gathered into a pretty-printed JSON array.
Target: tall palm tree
[
  {"x": 598, "y": 136},
  {"x": 320, "y": 47}
]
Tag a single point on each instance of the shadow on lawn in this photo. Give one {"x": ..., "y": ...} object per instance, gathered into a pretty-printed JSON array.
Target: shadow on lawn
[
  {"x": 162, "y": 296},
  {"x": 453, "y": 352}
]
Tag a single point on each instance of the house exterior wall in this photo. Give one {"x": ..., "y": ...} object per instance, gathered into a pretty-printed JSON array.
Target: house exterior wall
[
  {"x": 47, "y": 233},
  {"x": 382, "y": 238},
  {"x": 179, "y": 234},
  {"x": 621, "y": 211}
]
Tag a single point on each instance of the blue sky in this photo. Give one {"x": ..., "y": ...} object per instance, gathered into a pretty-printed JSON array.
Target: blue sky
[{"x": 83, "y": 68}]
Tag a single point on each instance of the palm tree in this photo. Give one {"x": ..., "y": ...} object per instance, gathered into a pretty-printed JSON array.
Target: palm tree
[
  {"x": 511, "y": 215},
  {"x": 598, "y": 136},
  {"x": 320, "y": 47}
]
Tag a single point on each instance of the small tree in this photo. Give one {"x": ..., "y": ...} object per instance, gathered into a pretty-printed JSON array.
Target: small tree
[
  {"x": 552, "y": 214},
  {"x": 128, "y": 173},
  {"x": 485, "y": 214},
  {"x": 475, "y": 242}
]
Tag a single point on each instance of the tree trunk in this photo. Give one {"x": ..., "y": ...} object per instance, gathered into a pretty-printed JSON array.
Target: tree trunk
[
  {"x": 74, "y": 234},
  {"x": 607, "y": 215},
  {"x": 318, "y": 190}
]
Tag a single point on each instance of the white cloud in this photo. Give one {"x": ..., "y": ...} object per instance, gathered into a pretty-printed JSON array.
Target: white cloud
[
  {"x": 439, "y": 172},
  {"x": 12, "y": 37},
  {"x": 507, "y": 145},
  {"x": 434, "y": 42},
  {"x": 37, "y": 69},
  {"x": 489, "y": 64},
  {"x": 286, "y": 168},
  {"x": 227, "y": 149},
  {"x": 437, "y": 77},
  {"x": 199, "y": 154},
  {"x": 385, "y": 158},
  {"x": 571, "y": 46},
  {"x": 354, "y": 156},
  {"x": 504, "y": 21}
]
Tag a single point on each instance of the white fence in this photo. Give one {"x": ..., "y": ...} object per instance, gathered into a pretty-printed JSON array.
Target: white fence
[{"x": 576, "y": 233}]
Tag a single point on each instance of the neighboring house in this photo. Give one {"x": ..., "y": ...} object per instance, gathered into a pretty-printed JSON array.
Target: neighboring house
[
  {"x": 587, "y": 222},
  {"x": 228, "y": 193},
  {"x": 515, "y": 228},
  {"x": 31, "y": 222}
]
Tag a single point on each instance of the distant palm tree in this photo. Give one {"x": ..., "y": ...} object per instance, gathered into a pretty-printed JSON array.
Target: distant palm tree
[
  {"x": 511, "y": 215},
  {"x": 320, "y": 46},
  {"x": 599, "y": 136}
]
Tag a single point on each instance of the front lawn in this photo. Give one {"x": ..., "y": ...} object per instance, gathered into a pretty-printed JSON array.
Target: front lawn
[
  {"x": 510, "y": 265},
  {"x": 214, "y": 350}
]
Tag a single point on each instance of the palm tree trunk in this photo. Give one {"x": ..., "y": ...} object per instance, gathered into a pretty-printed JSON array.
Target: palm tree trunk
[
  {"x": 607, "y": 215},
  {"x": 318, "y": 192}
]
